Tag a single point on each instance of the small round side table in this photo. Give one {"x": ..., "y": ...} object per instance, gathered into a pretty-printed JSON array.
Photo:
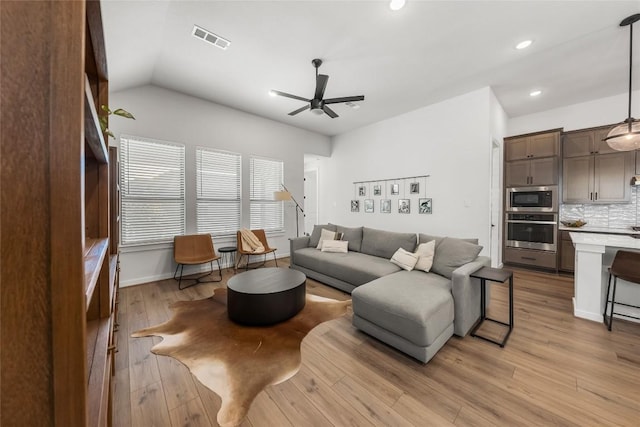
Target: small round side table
[{"x": 228, "y": 255}]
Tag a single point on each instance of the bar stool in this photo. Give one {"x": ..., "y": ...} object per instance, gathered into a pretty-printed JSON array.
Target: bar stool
[{"x": 626, "y": 266}]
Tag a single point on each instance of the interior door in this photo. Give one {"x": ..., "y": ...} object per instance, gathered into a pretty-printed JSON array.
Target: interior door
[{"x": 310, "y": 200}]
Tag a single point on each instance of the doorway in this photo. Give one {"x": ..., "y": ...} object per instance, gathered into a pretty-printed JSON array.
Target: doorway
[
  {"x": 310, "y": 200},
  {"x": 496, "y": 201}
]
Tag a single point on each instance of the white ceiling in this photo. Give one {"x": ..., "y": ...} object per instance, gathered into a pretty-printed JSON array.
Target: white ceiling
[{"x": 427, "y": 52}]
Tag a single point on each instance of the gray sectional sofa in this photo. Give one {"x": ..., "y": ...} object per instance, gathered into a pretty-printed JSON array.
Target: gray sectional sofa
[{"x": 414, "y": 311}]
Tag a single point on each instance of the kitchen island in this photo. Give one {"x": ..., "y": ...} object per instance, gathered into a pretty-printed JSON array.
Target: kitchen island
[{"x": 594, "y": 254}]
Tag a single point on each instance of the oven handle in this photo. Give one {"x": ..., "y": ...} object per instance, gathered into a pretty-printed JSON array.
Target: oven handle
[{"x": 531, "y": 222}]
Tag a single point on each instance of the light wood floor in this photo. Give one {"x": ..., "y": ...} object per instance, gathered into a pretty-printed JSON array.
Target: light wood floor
[{"x": 555, "y": 370}]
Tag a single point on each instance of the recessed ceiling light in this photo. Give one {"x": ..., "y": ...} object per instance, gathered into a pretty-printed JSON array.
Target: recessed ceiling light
[
  {"x": 397, "y": 4},
  {"x": 535, "y": 92},
  {"x": 524, "y": 44}
]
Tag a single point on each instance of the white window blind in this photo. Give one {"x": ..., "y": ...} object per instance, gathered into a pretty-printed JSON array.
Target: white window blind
[
  {"x": 266, "y": 177},
  {"x": 152, "y": 187},
  {"x": 217, "y": 192}
]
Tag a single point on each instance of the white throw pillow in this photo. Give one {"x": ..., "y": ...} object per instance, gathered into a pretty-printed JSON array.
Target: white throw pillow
[
  {"x": 341, "y": 246},
  {"x": 325, "y": 235},
  {"x": 425, "y": 253},
  {"x": 404, "y": 259}
]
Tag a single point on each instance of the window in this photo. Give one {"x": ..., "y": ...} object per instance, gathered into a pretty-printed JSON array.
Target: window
[
  {"x": 152, "y": 190},
  {"x": 217, "y": 192},
  {"x": 266, "y": 177}
]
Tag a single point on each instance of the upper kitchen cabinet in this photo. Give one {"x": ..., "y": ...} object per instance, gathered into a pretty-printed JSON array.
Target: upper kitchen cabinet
[
  {"x": 599, "y": 178},
  {"x": 542, "y": 144},
  {"x": 531, "y": 172},
  {"x": 586, "y": 142}
]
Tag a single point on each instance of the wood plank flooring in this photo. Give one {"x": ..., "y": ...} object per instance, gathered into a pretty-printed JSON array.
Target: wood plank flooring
[{"x": 555, "y": 370}]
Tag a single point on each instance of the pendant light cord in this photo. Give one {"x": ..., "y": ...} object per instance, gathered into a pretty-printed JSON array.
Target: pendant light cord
[{"x": 630, "y": 67}]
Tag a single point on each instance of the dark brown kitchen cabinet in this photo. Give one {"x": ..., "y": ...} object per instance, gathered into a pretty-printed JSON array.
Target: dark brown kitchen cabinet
[
  {"x": 543, "y": 144},
  {"x": 532, "y": 172},
  {"x": 597, "y": 178},
  {"x": 586, "y": 142},
  {"x": 566, "y": 258}
]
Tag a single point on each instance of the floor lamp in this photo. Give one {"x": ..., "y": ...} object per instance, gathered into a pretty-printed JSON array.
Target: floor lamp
[{"x": 286, "y": 195}]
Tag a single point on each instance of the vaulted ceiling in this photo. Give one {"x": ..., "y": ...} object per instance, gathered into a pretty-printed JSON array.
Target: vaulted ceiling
[{"x": 426, "y": 52}]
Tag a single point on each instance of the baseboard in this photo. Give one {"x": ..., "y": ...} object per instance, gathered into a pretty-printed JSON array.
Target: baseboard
[{"x": 188, "y": 270}]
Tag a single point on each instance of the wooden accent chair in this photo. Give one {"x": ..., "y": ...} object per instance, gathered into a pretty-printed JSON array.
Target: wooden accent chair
[
  {"x": 625, "y": 266},
  {"x": 267, "y": 249},
  {"x": 194, "y": 249}
]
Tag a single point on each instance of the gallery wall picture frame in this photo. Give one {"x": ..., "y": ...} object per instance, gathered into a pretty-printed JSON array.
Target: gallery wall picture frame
[
  {"x": 355, "y": 206},
  {"x": 362, "y": 191},
  {"x": 368, "y": 205},
  {"x": 385, "y": 206},
  {"x": 395, "y": 189},
  {"x": 377, "y": 190},
  {"x": 425, "y": 206},
  {"x": 404, "y": 206},
  {"x": 414, "y": 188}
]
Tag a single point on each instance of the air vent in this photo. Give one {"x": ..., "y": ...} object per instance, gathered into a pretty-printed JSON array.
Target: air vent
[{"x": 210, "y": 38}]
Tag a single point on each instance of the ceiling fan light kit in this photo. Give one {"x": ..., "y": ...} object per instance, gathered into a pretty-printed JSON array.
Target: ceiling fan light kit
[
  {"x": 318, "y": 105},
  {"x": 626, "y": 136}
]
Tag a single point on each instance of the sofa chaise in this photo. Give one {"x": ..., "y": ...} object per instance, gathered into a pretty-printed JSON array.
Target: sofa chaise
[{"x": 414, "y": 311}]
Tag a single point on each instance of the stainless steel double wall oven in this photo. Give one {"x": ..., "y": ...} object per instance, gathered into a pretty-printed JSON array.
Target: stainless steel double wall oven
[{"x": 531, "y": 218}]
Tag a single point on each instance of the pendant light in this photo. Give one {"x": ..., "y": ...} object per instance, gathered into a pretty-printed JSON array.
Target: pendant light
[{"x": 626, "y": 136}]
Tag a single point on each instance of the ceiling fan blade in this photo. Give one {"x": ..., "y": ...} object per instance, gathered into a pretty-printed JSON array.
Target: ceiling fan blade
[
  {"x": 299, "y": 110},
  {"x": 288, "y": 95},
  {"x": 329, "y": 112},
  {"x": 344, "y": 99},
  {"x": 321, "y": 85}
]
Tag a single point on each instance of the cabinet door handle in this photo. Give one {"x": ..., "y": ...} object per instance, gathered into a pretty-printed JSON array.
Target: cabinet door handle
[
  {"x": 596, "y": 196},
  {"x": 528, "y": 258},
  {"x": 590, "y": 196}
]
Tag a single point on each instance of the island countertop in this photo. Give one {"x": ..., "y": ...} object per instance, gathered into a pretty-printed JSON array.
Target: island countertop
[
  {"x": 601, "y": 230},
  {"x": 610, "y": 240}
]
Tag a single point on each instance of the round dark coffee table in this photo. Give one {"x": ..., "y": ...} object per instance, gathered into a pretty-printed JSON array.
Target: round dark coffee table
[{"x": 265, "y": 296}]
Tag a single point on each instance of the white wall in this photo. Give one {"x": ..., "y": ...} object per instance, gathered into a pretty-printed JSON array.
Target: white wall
[
  {"x": 166, "y": 115},
  {"x": 599, "y": 112},
  {"x": 450, "y": 141}
]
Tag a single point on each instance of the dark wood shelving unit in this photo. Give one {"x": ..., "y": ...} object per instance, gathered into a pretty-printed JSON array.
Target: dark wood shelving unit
[{"x": 60, "y": 262}]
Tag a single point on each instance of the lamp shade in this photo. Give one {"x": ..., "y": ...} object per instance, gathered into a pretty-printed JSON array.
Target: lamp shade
[
  {"x": 622, "y": 138},
  {"x": 281, "y": 195}
]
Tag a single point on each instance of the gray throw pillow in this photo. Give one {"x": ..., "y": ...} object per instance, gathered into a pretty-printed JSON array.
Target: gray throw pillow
[
  {"x": 452, "y": 253},
  {"x": 352, "y": 235},
  {"x": 384, "y": 244},
  {"x": 424, "y": 238},
  {"x": 317, "y": 230}
]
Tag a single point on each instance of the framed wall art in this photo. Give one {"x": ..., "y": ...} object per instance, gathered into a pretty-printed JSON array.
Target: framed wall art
[
  {"x": 424, "y": 206},
  {"x": 414, "y": 187},
  {"x": 368, "y": 205},
  {"x": 362, "y": 190},
  {"x": 355, "y": 206},
  {"x": 377, "y": 190},
  {"x": 395, "y": 189},
  {"x": 385, "y": 205},
  {"x": 404, "y": 206}
]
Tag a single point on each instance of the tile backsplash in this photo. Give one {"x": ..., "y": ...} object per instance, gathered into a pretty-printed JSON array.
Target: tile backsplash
[{"x": 617, "y": 215}]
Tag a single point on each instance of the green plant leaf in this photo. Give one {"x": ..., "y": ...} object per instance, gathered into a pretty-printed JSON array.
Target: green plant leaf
[
  {"x": 108, "y": 132},
  {"x": 123, "y": 113},
  {"x": 105, "y": 108},
  {"x": 103, "y": 123}
]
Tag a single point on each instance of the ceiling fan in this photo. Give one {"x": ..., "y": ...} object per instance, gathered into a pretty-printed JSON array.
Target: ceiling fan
[{"x": 317, "y": 104}]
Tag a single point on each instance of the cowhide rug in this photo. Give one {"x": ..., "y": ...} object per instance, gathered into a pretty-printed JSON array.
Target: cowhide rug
[{"x": 237, "y": 362}]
